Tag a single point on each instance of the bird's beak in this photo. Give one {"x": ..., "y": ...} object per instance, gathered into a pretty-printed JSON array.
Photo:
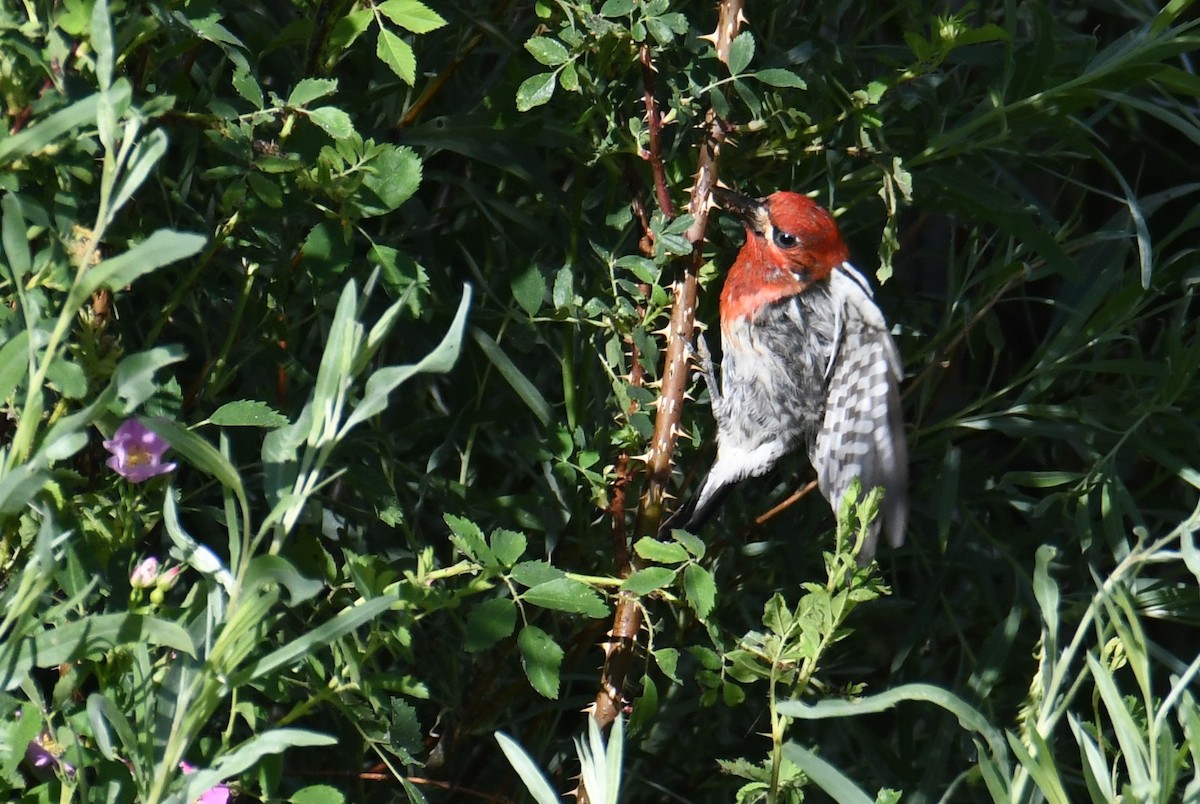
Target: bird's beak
[{"x": 751, "y": 210}]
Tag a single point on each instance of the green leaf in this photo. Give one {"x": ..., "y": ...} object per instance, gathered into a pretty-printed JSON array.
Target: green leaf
[
  {"x": 337, "y": 627},
  {"x": 146, "y": 155},
  {"x": 532, "y": 573},
  {"x": 307, "y": 91},
  {"x": 652, "y": 549},
  {"x": 317, "y": 794},
  {"x": 247, "y": 413},
  {"x": 529, "y": 289},
  {"x": 825, "y": 776},
  {"x": 398, "y": 55},
  {"x": 780, "y": 78},
  {"x": 645, "y": 581},
  {"x": 247, "y": 86},
  {"x": 394, "y": 175},
  {"x": 616, "y": 8},
  {"x": 741, "y": 52},
  {"x": 411, "y": 15},
  {"x": 333, "y": 121},
  {"x": 102, "y": 44},
  {"x": 667, "y": 660},
  {"x": 693, "y": 544},
  {"x": 248, "y": 754},
  {"x": 77, "y": 115},
  {"x": 542, "y": 658},
  {"x": 527, "y": 770},
  {"x": 161, "y": 248},
  {"x": 489, "y": 622},
  {"x": 548, "y": 51},
  {"x": 92, "y": 636},
  {"x": 197, "y": 452},
  {"x": 536, "y": 91},
  {"x": 508, "y": 546},
  {"x": 700, "y": 588},
  {"x": 404, "y": 732},
  {"x": 13, "y": 237},
  {"x": 468, "y": 538},
  {"x": 566, "y": 594},
  {"x": 524, "y": 387}
]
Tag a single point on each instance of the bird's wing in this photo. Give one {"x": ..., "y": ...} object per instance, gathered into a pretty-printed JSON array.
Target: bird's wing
[{"x": 862, "y": 434}]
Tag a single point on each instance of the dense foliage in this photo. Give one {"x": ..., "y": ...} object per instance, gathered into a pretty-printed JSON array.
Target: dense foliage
[{"x": 330, "y": 350}]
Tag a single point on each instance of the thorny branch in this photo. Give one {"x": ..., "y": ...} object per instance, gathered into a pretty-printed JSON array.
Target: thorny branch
[{"x": 620, "y": 649}]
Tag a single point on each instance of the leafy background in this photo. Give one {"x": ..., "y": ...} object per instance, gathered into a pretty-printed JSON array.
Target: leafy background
[{"x": 392, "y": 279}]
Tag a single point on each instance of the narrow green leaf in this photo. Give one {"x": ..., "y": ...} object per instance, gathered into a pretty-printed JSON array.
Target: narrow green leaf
[
  {"x": 249, "y": 754},
  {"x": 542, "y": 658},
  {"x": 102, "y": 44},
  {"x": 12, "y": 236},
  {"x": 92, "y": 636},
  {"x": 161, "y": 248},
  {"x": 525, "y": 389},
  {"x": 825, "y": 776},
  {"x": 527, "y": 770},
  {"x": 41, "y": 134},
  {"x": 146, "y": 155},
  {"x": 345, "y": 622},
  {"x": 197, "y": 452}
]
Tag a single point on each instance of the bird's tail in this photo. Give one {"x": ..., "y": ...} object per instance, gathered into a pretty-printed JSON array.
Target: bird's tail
[{"x": 697, "y": 509}]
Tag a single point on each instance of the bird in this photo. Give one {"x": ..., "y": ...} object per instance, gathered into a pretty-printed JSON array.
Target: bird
[{"x": 807, "y": 361}]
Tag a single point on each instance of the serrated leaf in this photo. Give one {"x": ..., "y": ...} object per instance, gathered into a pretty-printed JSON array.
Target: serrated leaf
[
  {"x": 316, "y": 794},
  {"x": 616, "y": 8},
  {"x": 780, "y": 78},
  {"x": 247, "y": 86},
  {"x": 333, "y": 121},
  {"x": 741, "y": 52},
  {"x": 693, "y": 544},
  {"x": 412, "y": 15},
  {"x": 700, "y": 588},
  {"x": 395, "y": 175},
  {"x": 645, "y": 581},
  {"x": 398, "y": 55},
  {"x": 667, "y": 660},
  {"x": 536, "y": 91},
  {"x": 569, "y": 78},
  {"x": 542, "y": 658},
  {"x": 529, "y": 289},
  {"x": 489, "y": 622},
  {"x": 508, "y": 546},
  {"x": 307, "y": 91},
  {"x": 565, "y": 594},
  {"x": 247, "y": 413},
  {"x": 532, "y": 573},
  {"x": 468, "y": 538},
  {"x": 662, "y": 552},
  {"x": 547, "y": 50}
]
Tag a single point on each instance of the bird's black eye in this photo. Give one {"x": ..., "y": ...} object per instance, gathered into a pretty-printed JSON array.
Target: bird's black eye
[{"x": 785, "y": 239}]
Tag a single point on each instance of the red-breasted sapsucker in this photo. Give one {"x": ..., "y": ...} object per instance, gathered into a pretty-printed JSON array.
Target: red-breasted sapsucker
[{"x": 807, "y": 362}]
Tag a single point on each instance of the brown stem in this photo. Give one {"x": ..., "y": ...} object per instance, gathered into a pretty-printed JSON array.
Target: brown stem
[
  {"x": 654, "y": 125},
  {"x": 620, "y": 650}
]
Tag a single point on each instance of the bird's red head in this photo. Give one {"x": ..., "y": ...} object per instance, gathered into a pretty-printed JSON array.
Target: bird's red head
[{"x": 791, "y": 243}]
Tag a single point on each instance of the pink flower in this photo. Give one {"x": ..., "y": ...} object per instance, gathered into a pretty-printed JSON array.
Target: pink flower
[
  {"x": 137, "y": 452},
  {"x": 218, "y": 794},
  {"x": 169, "y": 576},
  {"x": 145, "y": 574}
]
